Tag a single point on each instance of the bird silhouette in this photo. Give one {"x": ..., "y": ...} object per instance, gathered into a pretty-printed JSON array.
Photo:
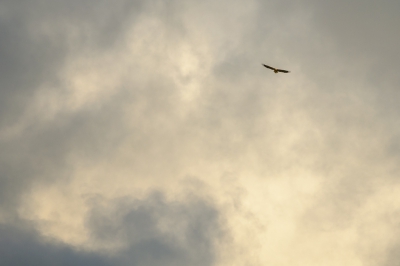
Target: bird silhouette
[{"x": 276, "y": 70}]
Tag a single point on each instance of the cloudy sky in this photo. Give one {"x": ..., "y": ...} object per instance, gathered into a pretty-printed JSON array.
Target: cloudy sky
[{"x": 138, "y": 132}]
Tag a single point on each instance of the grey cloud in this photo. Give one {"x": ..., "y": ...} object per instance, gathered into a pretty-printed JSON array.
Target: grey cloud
[
  {"x": 34, "y": 58},
  {"x": 362, "y": 28},
  {"x": 392, "y": 255},
  {"x": 31, "y": 57},
  {"x": 27, "y": 62},
  {"x": 365, "y": 35},
  {"x": 22, "y": 246},
  {"x": 36, "y": 40},
  {"x": 156, "y": 231},
  {"x": 41, "y": 154},
  {"x": 344, "y": 115}
]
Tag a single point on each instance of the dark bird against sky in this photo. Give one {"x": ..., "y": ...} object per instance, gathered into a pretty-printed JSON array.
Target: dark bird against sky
[{"x": 276, "y": 70}]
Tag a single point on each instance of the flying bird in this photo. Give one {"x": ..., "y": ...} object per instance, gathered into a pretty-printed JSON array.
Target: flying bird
[{"x": 276, "y": 70}]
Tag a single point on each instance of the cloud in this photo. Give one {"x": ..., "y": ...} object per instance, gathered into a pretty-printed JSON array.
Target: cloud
[
  {"x": 126, "y": 231},
  {"x": 23, "y": 246},
  {"x": 120, "y": 100},
  {"x": 130, "y": 232},
  {"x": 157, "y": 232}
]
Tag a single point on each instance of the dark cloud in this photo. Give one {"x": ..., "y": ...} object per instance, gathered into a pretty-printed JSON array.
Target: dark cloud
[
  {"x": 27, "y": 61},
  {"x": 156, "y": 231},
  {"x": 152, "y": 231},
  {"x": 22, "y": 246}
]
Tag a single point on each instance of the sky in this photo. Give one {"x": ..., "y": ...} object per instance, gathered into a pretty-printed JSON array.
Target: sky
[{"x": 143, "y": 133}]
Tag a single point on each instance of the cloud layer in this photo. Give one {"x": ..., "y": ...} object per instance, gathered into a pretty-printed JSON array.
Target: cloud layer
[{"x": 148, "y": 133}]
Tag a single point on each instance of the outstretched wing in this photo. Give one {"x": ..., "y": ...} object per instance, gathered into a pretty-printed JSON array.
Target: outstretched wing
[
  {"x": 268, "y": 67},
  {"x": 282, "y": 70}
]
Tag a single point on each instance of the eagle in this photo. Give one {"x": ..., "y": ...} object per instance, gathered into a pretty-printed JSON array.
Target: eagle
[{"x": 276, "y": 70}]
